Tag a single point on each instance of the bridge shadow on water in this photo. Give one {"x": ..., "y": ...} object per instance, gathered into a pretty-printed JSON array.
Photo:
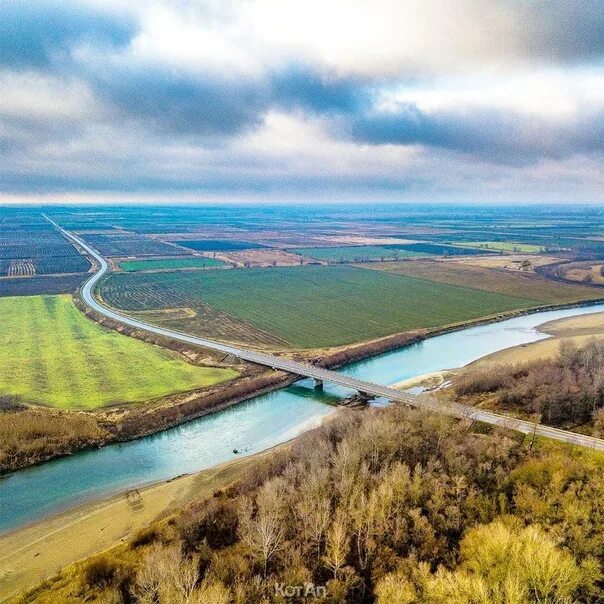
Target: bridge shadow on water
[{"x": 317, "y": 394}]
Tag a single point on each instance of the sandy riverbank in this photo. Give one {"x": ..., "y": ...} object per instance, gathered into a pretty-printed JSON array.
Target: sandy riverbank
[
  {"x": 577, "y": 330},
  {"x": 431, "y": 380},
  {"x": 30, "y": 555}
]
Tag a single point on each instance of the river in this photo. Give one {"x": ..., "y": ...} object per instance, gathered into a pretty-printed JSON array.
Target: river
[{"x": 255, "y": 425}]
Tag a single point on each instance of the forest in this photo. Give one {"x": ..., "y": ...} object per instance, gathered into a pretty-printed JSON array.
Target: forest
[{"x": 391, "y": 505}]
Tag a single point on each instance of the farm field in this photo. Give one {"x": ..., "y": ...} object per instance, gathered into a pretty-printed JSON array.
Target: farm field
[
  {"x": 511, "y": 262},
  {"x": 35, "y": 247},
  {"x": 503, "y": 246},
  {"x": 131, "y": 266},
  {"x": 354, "y": 253},
  {"x": 218, "y": 245},
  {"x": 313, "y": 306},
  {"x": 577, "y": 228},
  {"x": 205, "y": 320},
  {"x": 436, "y": 249},
  {"x": 53, "y": 355},
  {"x": 268, "y": 256},
  {"x": 41, "y": 284},
  {"x": 123, "y": 244},
  {"x": 592, "y": 273},
  {"x": 487, "y": 279}
]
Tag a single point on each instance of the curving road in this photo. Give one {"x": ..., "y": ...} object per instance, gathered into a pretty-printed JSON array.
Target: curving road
[{"x": 318, "y": 373}]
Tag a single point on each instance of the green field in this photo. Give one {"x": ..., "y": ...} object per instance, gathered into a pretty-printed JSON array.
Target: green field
[
  {"x": 354, "y": 253},
  {"x": 313, "y": 306},
  {"x": 503, "y": 246},
  {"x": 53, "y": 355},
  {"x": 132, "y": 266}
]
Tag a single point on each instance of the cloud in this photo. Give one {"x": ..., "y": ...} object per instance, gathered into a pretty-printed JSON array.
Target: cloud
[
  {"x": 493, "y": 135},
  {"x": 35, "y": 34},
  {"x": 394, "y": 97},
  {"x": 191, "y": 107},
  {"x": 394, "y": 38},
  {"x": 552, "y": 114}
]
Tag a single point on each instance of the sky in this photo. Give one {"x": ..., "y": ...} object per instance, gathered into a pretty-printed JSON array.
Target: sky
[{"x": 299, "y": 101}]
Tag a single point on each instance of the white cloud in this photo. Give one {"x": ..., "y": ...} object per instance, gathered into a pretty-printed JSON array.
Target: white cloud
[
  {"x": 180, "y": 41},
  {"x": 381, "y": 38},
  {"x": 374, "y": 39},
  {"x": 300, "y": 145},
  {"x": 37, "y": 96},
  {"x": 547, "y": 94}
]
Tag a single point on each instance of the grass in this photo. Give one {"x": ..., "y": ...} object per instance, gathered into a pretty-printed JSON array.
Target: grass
[
  {"x": 356, "y": 253},
  {"x": 131, "y": 266},
  {"x": 510, "y": 283},
  {"x": 503, "y": 246},
  {"x": 52, "y": 355},
  {"x": 313, "y": 306}
]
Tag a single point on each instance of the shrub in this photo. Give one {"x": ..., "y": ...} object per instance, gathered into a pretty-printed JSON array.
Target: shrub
[
  {"x": 30, "y": 436},
  {"x": 102, "y": 572},
  {"x": 568, "y": 388},
  {"x": 476, "y": 381},
  {"x": 10, "y": 403},
  {"x": 215, "y": 523},
  {"x": 145, "y": 536}
]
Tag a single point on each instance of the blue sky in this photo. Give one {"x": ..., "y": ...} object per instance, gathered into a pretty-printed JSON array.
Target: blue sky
[{"x": 315, "y": 100}]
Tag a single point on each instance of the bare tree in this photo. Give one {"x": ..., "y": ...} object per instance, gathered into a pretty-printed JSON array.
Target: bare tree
[
  {"x": 181, "y": 576},
  {"x": 338, "y": 545},
  {"x": 149, "y": 578},
  {"x": 313, "y": 513},
  {"x": 166, "y": 577},
  {"x": 263, "y": 528}
]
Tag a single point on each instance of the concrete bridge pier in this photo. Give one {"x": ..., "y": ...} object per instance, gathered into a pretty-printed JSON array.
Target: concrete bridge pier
[{"x": 317, "y": 384}]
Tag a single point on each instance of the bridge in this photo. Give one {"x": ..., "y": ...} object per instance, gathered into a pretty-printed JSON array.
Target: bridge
[{"x": 319, "y": 374}]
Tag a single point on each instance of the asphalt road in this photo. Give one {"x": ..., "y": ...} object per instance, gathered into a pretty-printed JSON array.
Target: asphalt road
[{"x": 302, "y": 369}]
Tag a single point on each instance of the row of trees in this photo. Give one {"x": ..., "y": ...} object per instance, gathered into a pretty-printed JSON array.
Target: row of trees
[{"x": 391, "y": 506}]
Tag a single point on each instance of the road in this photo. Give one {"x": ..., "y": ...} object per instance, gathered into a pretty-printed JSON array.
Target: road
[{"x": 318, "y": 373}]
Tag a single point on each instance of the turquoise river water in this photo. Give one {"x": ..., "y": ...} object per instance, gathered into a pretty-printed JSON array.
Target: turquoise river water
[{"x": 262, "y": 422}]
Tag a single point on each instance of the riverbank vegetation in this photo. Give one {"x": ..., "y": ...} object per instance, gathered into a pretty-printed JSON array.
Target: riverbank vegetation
[
  {"x": 29, "y": 436},
  {"x": 565, "y": 390},
  {"x": 53, "y": 355},
  {"x": 389, "y": 506}
]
